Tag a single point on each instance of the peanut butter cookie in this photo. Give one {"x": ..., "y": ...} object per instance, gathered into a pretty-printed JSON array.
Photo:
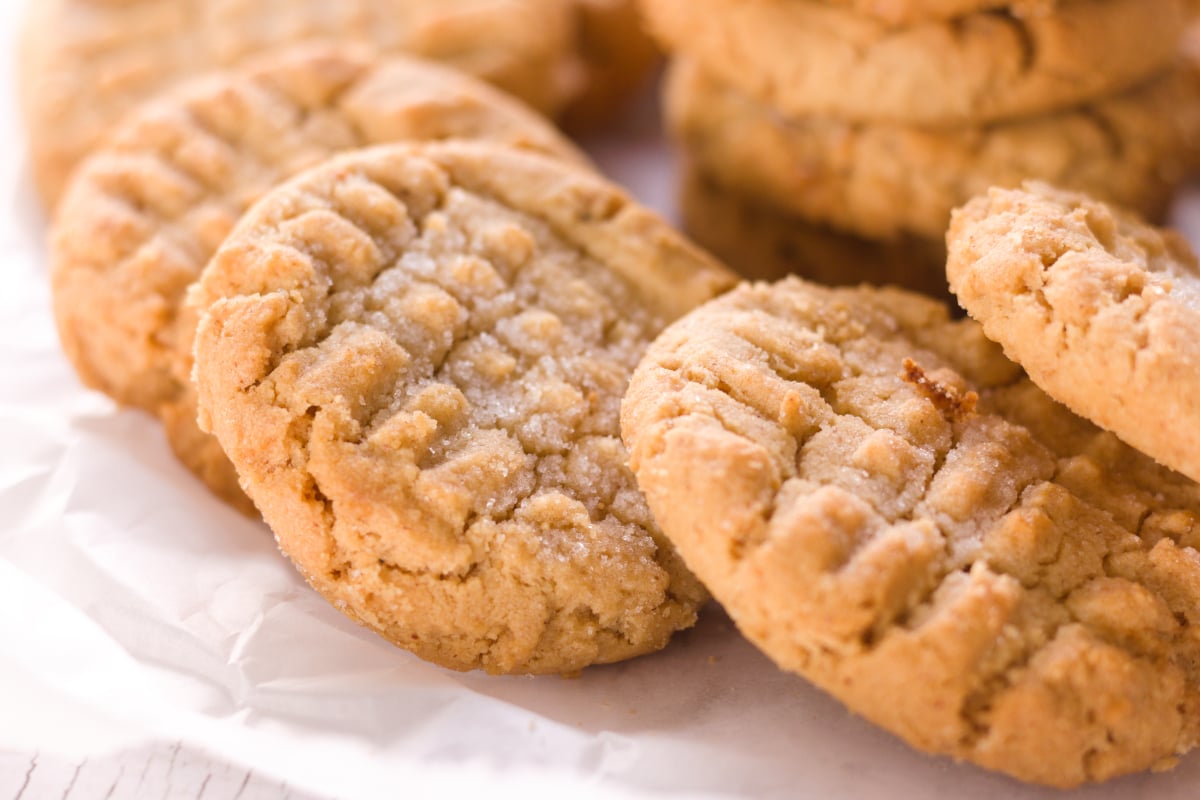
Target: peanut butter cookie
[
  {"x": 87, "y": 63},
  {"x": 1101, "y": 309},
  {"x": 887, "y": 506},
  {"x": 415, "y": 356},
  {"x": 888, "y": 180},
  {"x": 909, "y": 12},
  {"x": 805, "y": 58},
  {"x": 147, "y": 211},
  {"x": 618, "y": 57}
]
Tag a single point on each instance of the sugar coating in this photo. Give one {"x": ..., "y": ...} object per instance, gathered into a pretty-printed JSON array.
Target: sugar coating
[
  {"x": 144, "y": 214},
  {"x": 887, "y": 506},
  {"x": 1101, "y": 309},
  {"x": 416, "y": 357}
]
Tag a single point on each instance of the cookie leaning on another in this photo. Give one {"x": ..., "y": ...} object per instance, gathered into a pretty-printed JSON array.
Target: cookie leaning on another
[
  {"x": 803, "y": 57},
  {"x": 1101, "y": 309},
  {"x": 886, "y": 180},
  {"x": 885, "y": 505},
  {"x": 415, "y": 357},
  {"x": 143, "y": 215}
]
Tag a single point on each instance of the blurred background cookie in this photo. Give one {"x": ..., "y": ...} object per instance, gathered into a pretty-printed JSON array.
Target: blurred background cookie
[
  {"x": 887, "y": 180},
  {"x": 875, "y": 120},
  {"x": 86, "y": 63}
]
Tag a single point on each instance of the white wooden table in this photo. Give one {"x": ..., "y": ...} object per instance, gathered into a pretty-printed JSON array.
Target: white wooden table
[{"x": 166, "y": 771}]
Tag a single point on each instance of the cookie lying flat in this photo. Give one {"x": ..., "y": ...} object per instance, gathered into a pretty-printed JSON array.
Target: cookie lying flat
[
  {"x": 886, "y": 506},
  {"x": 887, "y": 180},
  {"x": 803, "y": 58},
  {"x": 415, "y": 357},
  {"x": 147, "y": 211},
  {"x": 87, "y": 63},
  {"x": 1102, "y": 310},
  {"x": 763, "y": 244}
]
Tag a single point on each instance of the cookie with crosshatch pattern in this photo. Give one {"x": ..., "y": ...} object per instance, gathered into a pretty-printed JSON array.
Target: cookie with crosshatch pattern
[
  {"x": 890, "y": 508},
  {"x": 415, "y": 357}
]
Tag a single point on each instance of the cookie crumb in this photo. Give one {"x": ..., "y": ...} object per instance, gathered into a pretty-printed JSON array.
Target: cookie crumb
[{"x": 954, "y": 405}]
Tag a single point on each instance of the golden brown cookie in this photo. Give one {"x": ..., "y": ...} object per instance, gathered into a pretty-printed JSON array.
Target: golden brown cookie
[
  {"x": 145, "y": 213},
  {"x": 89, "y": 62},
  {"x": 763, "y": 244},
  {"x": 888, "y": 180},
  {"x": 806, "y": 58},
  {"x": 618, "y": 57},
  {"x": 909, "y": 12},
  {"x": 415, "y": 356},
  {"x": 1101, "y": 309},
  {"x": 887, "y": 506}
]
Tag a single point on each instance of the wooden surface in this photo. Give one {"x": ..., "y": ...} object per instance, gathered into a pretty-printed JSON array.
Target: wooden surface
[{"x": 168, "y": 771}]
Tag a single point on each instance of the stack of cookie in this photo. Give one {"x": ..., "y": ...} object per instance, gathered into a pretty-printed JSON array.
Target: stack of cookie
[{"x": 823, "y": 133}]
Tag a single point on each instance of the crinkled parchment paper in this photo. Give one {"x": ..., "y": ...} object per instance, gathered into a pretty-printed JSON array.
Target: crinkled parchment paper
[{"x": 134, "y": 607}]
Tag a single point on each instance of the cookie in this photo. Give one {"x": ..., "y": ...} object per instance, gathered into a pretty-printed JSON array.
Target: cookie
[
  {"x": 87, "y": 63},
  {"x": 415, "y": 356},
  {"x": 1101, "y": 309},
  {"x": 909, "y": 12},
  {"x": 888, "y": 180},
  {"x": 618, "y": 57},
  {"x": 805, "y": 58},
  {"x": 763, "y": 244},
  {"x": 146, "y": 212},
  {"x": 888, "y": 507}
]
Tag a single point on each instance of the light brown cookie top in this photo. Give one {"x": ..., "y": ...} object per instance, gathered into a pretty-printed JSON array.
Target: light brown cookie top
[
  {"x": 887, "y": 180},
  {"x": 909, "y": 12},
  {"x": 1101, "y": 309},
  {"x": 803, "y": 57},
  {"x": 146, "y": 212},
  {"x": 885, "y": 505},
  {"x": 86, "y": 63},
  {"x": 415, "y": 356}
]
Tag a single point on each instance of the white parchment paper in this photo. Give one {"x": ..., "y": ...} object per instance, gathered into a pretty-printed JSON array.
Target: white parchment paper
[{"x": 134, "y": 607}]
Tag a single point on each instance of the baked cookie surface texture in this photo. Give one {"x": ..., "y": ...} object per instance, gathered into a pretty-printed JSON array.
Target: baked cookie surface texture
[
  {"x": 1101, "y": 309},
  {"x": 907, "y": 12},
  {"x": 88, "y": 63},
  {"x": 886, "y": 180},
  {"x": 146, "y": 212},
  {"x": 415, "y": 357},
  {"x": 887, "y": 506},
  {"x": 804, "y": 57}
]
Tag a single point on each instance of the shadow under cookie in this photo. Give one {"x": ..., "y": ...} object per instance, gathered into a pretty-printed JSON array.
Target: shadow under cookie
[{"x": 766, "y": 245}]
